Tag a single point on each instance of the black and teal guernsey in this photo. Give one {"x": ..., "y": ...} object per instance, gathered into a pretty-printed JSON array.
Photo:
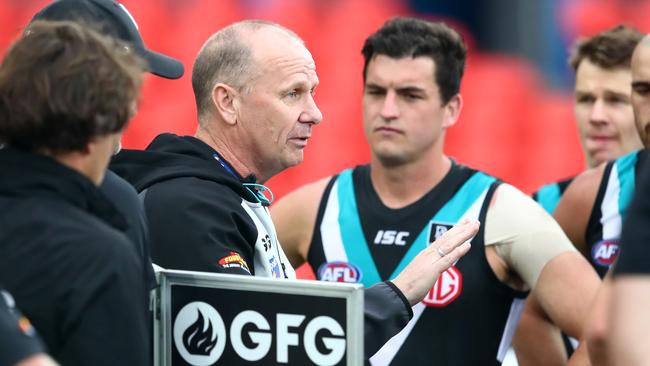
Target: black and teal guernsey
[
  {"x": 469, "y": 316},
  {"x": 548, "y": 196},
  {"x": 635, "y": 257},
  {"x": 610, "y": 209}
]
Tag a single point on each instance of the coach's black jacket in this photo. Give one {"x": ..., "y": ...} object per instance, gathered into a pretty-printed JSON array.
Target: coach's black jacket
[
  {"x": 67, "y": 263},
  {"x": 194, "y": 207},
  {"x": 18, "y": 341}
]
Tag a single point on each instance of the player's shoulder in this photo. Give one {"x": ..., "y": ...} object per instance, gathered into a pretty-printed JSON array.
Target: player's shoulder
[
  {"x": 584, "y": 187},
  {"x": 575, "y": 208},
  {"x": 299, "y": 207},
  {"x": 512, "y": 207},
  {"x": 308, "y": 192},
  {"x": 510, "y": 193}
]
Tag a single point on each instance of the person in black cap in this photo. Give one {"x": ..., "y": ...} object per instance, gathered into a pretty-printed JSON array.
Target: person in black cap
[
  {"x": 113, "y": 19},
  {"x": 66, "y": 94}
]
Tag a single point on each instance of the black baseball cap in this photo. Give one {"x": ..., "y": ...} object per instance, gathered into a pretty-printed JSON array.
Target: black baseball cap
[{"x": 111, "y": 18}]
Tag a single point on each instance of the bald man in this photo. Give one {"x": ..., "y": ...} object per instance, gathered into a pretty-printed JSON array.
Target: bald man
[{"x": 254, "y": 83}]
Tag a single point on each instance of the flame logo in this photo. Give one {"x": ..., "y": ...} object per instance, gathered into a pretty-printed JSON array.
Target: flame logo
[{"x": 198, "y": 341}]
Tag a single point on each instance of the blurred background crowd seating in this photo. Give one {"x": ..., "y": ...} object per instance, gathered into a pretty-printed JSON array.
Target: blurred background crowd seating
[{"x": 517, "y": 122}]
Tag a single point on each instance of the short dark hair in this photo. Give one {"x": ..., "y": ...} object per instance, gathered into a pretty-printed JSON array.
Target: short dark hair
[
  {"x": 403, "y": 37},
  {"x": 610, "y": 49},
  {"x": 63, "y": 85}
]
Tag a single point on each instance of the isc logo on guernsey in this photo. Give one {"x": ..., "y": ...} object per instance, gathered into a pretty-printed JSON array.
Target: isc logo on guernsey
[
  {"x": 339, "y": 272},
  {"x": 391, "y": 237}
]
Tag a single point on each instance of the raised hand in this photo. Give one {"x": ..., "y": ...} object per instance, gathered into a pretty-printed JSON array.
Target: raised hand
[{"x": 423, "y": 271}]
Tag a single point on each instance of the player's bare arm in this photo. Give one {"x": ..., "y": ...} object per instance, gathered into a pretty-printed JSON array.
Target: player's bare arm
[
  {"x": 533, "y": 252},
  {"x": 574, "y": 209},
  {"x": 294, "y": 217}
]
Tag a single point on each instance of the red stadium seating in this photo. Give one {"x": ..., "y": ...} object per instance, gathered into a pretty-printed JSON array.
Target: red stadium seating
[{"x": 510, "y": 126}]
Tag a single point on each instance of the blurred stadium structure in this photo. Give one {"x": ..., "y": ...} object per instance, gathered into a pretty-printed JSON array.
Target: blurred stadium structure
[{"x": 517, "y": 122}]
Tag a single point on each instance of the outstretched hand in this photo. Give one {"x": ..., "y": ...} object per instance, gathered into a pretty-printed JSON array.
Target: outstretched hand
[
  {"x": 39, "y": 359},
  {"x": 421, "y": 274}
]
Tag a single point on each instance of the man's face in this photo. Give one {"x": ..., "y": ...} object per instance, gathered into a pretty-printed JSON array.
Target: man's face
[
  {"x": 279, "y": 112},
  {"x": 641, "y": 91},
  {"x": 604, "y": 113},
  {"x": 403, "y": 116}
]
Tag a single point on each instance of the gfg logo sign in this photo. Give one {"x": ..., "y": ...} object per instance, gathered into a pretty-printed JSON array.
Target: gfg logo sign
[{"x": 200, "y": 336}]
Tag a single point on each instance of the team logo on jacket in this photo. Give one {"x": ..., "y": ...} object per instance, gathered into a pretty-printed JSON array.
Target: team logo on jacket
[
  {"x": 446, "y": 289},
  {"x": 339, "y": 272},
  {"x": 274, "y": 265},
  {"x": 234, "y": 260},
  {"x": 199, "y": 334},
  {"x": 24, "y": 324},
  {"x": 605, "y": 252}
]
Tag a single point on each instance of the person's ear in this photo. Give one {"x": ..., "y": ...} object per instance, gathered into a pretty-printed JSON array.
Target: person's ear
[
  {"x": 88, "y": 148},
  {"x": 452, "y": 111},
  {"x": 223, "y": 101}
]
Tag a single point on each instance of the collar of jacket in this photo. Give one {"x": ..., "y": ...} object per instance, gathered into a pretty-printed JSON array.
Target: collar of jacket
[
  {"x": 170, "y": 156},
  {"x": 24, "y": 174}
]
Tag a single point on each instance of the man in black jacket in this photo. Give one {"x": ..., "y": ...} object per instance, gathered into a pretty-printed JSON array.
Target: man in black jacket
[
  {"x": 112, "y": 19},
  {"x": 254, "y": 83},
  {"x": 66, "y": 94}
]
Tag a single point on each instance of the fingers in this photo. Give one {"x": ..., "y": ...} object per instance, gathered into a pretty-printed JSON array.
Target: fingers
[
  {"x": 448, "y": 260},
  {"x": 421, "y": 273},
  {"x": 456, "y": 236}
]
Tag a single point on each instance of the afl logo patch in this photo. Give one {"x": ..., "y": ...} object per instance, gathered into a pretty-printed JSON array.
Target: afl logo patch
[
  {"x": 605, "y": 252},
  {"x": 339, "y": 272},
  {"x": 446, "y": 289}
]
